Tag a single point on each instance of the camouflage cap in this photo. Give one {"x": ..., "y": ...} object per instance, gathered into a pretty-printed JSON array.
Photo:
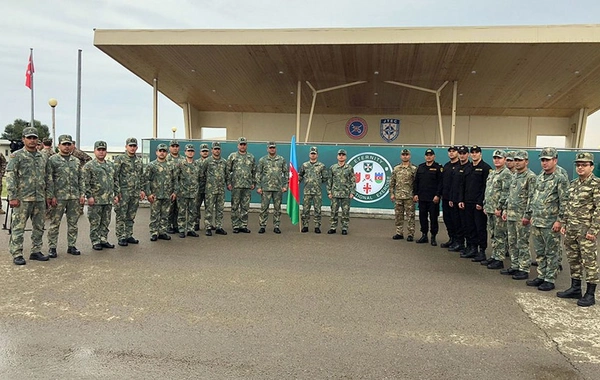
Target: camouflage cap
[
  {"x": 463, "y": 149},
  {"x": 174, "y": 143},
  {"x": 131, "y": 141},
  {"x": 405, "y": 151},
  {"x": 271, "y": 144},
  {"x": 242, "y": 140},
  {"x": 216, "y": 144},
  {"x": 521, "y": 155},
  {"x": 161, "y": 147},
  {"x": 48, "y": 141},
  {"x": 548, "y": 153},
  {"x": 100, "y": 144},
  {"x": 190, "y": 147},
  {"x": 475, "y": 149},
  {"x": 204, "y": 148},
  {"x": 584, "y": 157},
  {"x": 510, "y": 155},
  {"x": 30, "y": 131},
  {"x": 452, "y": 147},
  {"x": 429, "y": 151},
  {"x": 65, "y": 139},
  {"x": 313, "y": 149},
  {"x": 499, "y": 153},
  {"x": 342, "y": 151}
]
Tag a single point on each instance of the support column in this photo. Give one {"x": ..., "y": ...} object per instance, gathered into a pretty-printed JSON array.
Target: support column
[
  {"x": 298, "y": 99},
  {"x": 454, "y": 100},
  {"x": 155, "y": 108}
]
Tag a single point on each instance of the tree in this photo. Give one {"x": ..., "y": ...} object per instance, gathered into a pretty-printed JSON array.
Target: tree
[{"x": 14, "y": 131}]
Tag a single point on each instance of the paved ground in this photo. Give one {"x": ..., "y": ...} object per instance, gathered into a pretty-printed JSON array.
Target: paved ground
[{"x": 284, "y": 306}]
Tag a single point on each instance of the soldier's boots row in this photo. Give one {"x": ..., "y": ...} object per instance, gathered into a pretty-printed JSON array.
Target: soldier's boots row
[{"x": 540, "y": 284}]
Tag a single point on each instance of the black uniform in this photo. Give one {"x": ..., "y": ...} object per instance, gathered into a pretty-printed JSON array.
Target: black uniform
[
  {"x": 456, "y": 196},
  {"x": 474, "y": 193},
  {"x": 447, "y": 176},
  {"x": 427, "y": 185}
]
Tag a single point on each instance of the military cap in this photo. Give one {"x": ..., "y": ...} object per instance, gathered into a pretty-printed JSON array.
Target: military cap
[
  {"x": 174, "y": 142},
  {"x": 216, "y": 144},
  {"x": 271, "y": 144},
  {"x": 342, "y": 151},
  {"x": 131, "y": 141},
  {"x": 30, "y": 131},
  {"x": 475, "y": 149},
  {"x": 48, "y": 141},
  {"x": 100, "y": 144},
  {"x": 405, "y": 151},
  {"x": 452, "y": 147},
  {"x": 204, "y": 148},
  {"x": 499, "y": 153},
  {"x": 429, "y": 151},
  {"x": 521, "y": 155},
  {"x": 549, "y": 153},
  {"x": 463, "y": 149},
  {"x": 190, "y": 147},
  {"x": 510, "y": 155},
  {"x": 161, "y": 147},
  {"x": 64, "y": 139},
  {"x": 584, "y": 157},
  {"x": 313, "y": 149},
  {"x": 242, "y": 140}
]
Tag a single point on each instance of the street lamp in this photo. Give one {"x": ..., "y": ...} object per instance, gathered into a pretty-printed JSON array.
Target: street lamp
[
  {"x": 174, "y": 130},
  {"x": 53, "y": 103}
]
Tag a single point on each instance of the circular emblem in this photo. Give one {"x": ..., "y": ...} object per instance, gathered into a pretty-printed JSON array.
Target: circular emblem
[
  {"x": 356, "y": 128},
  {"x": 371, "y": 173}
]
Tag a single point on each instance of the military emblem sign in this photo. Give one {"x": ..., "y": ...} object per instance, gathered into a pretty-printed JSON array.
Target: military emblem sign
[
  {"x": 371, "y": 172},
  {"x": 389, "y": 129},
  {"x": 356, "y": 128}
]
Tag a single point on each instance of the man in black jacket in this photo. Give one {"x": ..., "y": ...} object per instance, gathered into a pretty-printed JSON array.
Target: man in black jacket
[
  {"x": 456, "y": 195},
  {"x": 427, "y": 190},
  {"x": 447, "y": 176}
]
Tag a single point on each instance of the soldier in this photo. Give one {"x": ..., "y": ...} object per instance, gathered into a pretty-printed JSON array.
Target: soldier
[
  {"x": 401, "y": 191},
  {"x": 241, "y": 169},
  {"x": 64, "y": 193},
  {"x": 447, "y": 176},
  {"x": 496, "y": 193},
  {"x": 83, "y": 158},
  {"x": 580, "y": 227},
  {"x": 2, "y": 171},
  {"x": 161, "y": 189},
  {"x": 213, "y": 172},
  {"x": 518, "y": 215},
  {"x": 26, "y": 187},
  {"x": 99, "y": 187},
  {"x": 341, "y": 185},
  {"x": 129, "y": 187},
  {"x": 313, "y": 173},
  {"x": 510, "y": 161},
  {"x": 47, "y": 150},
  {"x": 427, "y": 190},
  {"x": 271, "y": 179},
  {"x": 187, "y": 174},
  {"x": 200, "y": 200},
  {"x": 173, "y": 157},
  {"x": 547, "y": 212},
  {"x": 456, "y": 196}
]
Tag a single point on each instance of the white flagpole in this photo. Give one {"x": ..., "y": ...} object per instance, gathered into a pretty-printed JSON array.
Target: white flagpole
[{"x": 32, "y": 71}]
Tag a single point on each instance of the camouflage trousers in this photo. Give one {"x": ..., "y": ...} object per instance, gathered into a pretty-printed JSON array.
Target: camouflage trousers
[
  {"x": 265, "y": 201},
  {"x": 27, "y": 210},
  {"x": 125, "y": 212},
  {"x": 498, "y": 233},
  {"x": 518, "y": 245},
  {"x": 546, "y": 245},
  {"x": 316, "y": 201},
  {"x": 213, "y": 210},
  {"x": 99, "y": 216},
  {"x": 582, "y": 254},
  {"x": 240, "y": 205},
  {"x": 173, "y": 215},
  {"x": 159, "y": 216},
  {"x": 186, "y": 214},
  {"x": 200, "y": 200},
  {"x": 70, "y": 208},
  {"x": 336, "y": 203},
  {"x": 404, "y": 210}
]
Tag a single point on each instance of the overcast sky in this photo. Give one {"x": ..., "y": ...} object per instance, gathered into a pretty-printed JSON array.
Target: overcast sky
[{"x": 116, "y": 104}]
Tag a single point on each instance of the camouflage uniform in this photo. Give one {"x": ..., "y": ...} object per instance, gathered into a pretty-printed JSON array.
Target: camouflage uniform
[
  {"x": 173, "y": 209},
  {"x": 83, "y": 158},
  {"x": 271, "y": 176},
  {"x": 47, "y": 152},
  {"x": 496, "y": 193},
  {"x": 313, "y": 175},
  {"x": 129, "y": 183},
  {"x": 340, "y": 185},
  {"x": 64, "y": 182},
  {"x": 161, "y": 182},
  {"x": 2, "y": 171},
  {"x": 401, "y": 187},
  {"x": 201, "y": 198},
  {"x": 25, "y": 181},
  {"x": 99, "y": 183},
  {"x": 187, "y": 174},
  {"x": 214, "y": 173},
  {"x": 241, "y": 169}
]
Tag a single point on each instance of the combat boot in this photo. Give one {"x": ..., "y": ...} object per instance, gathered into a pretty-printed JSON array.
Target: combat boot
[
  {"x": 496, "y": 264},
  {"x": 457, "y": 246},
  {"x": 447, "y": 244},
  {"x": 433, "y": 241},
  {"x": 479, "y": 257},
  {"x": 422, "y": 239},
  {"x": 589, "y": 296},
  {"x": 469, "y": 253},
  {"x": 573, "y": 292}
]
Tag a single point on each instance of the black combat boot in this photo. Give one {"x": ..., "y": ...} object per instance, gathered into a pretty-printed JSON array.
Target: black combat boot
[
  {"x": 457, "y": 246},
  {"x": 433, "y": 241},
  {"x": 573, "y": 292},
  {"x": 589, "y": 297},
  {"x": 469, "y": 253},
  {"x": 447, "y": 244},
  {"x": 479, "y": 257},
  {"x": 422, "y": 239}
]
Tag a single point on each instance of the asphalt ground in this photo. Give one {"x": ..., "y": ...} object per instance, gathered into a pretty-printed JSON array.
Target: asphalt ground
[{"x": 289, "y": 306}]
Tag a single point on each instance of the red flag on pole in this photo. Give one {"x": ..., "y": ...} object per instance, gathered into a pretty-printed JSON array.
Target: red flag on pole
[{"x": 29, "y": 73}]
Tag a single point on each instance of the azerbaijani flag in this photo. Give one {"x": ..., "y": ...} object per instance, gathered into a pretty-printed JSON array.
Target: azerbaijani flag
[{"x": 293, "y": 200}]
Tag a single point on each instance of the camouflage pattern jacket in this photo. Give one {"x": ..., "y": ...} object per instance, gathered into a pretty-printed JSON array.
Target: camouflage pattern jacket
[
  {"x": 496, "y": 190},
  {"x": 522, "y": 187},
  {"x": 2, "y": 165},
  {"x": 26, "y": 176},
  {"x": 64, "y": 179},
  {"x": 272, "y": 173},
  {"x": 583, "y": 206},
  {"x": 99, "y": 181},
  {"x": 160, "y": 179},
  {"x": 241, "y": 169},
  {"x": 214, "y": 173},
  {"x": 341, "y": 182},
  {"x": 129, "y": 175},
  {"x": 201, "y": 181},
  {"x": 402, "y": 180},
  {"x": 187, "y": 174},
  {"x": 313, "y": 175},
  {"x": 83, "y": 157},
  {"x": 549, "y": 199}
]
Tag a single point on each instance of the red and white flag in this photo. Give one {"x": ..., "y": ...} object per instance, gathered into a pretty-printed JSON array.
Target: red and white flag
[{"x": 29, "y": 72}]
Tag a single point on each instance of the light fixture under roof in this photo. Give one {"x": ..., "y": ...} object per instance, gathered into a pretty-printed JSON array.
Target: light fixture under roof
[
  {"x": 474, "y": 72},
  {"x": 280, "y": 71},
  {"x": 214, "y": 90},
  {"x": 376, "y": 94},
  {"x": 376, "y": 73},
  {"x": 193, "y": 70},
  {"x": 576, "y": 72}
]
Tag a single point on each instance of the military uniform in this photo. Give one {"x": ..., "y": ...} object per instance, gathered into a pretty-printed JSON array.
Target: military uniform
[
  {"x": 313, "y": 174},
  {"x": 160, "y": 183},
  {"x": 129, "y": 186},
  {"x": 201, "y": 198},
  {"x": 456, "y": 195},
  {"x": 271, "y": 179},
  {"x": 173, "y": 208},
  {"x": 213, "y": 171},
  {"x": 427, "y": 186},
  {"x": 187, "y": 174},
  {"x": 83, "y": 158},
  {"x": 241, "y": 178},
  {"x": 2, "y": 171},
  {"x": 65, "y": 190},
  {"x": 447, "y": 176},
  {"x": 26, "y": 182},
  {"x": 401, "y": 188},
  {"x": 341, "y": 185}
]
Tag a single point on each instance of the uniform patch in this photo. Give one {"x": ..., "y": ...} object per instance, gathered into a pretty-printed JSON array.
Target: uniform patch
[
  {"x": 356, "y": 128},
  {"x": 372, "y": 173}
]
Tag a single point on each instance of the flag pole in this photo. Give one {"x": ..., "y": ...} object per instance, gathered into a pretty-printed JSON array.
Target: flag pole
[
  {"x": 78, "y": 120},
  {"x": 32, "y": 98}
]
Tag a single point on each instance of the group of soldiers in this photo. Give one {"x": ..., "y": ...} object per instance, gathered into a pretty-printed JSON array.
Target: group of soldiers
[{"x": 509, "y": 204}]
